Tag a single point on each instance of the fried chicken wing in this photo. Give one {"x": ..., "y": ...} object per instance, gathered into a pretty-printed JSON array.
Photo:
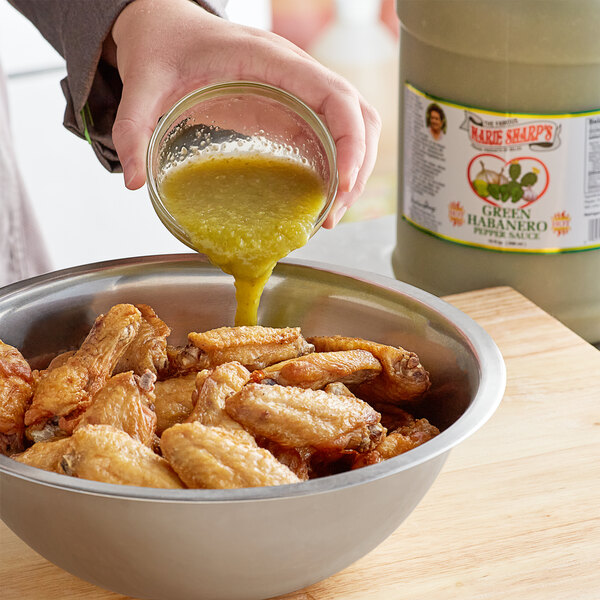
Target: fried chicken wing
[
  {"x": 339, "y": 389},
  {"x": 65, "y": 392},
  {"x": 46, "y": 455},
  {"x": 213, "y": 389},
  {"x": 319, "y": 369},
  {"x": 174, "y": 401},
  {"x": 59, "y": 360},
  {"x": 213, "y": 457},
  {"x": 254, "y": 347},
  {"x": 419, "y": 431},
  {"x": 295, "y": 459},
  {"x": 296, "y": 417},
  {"x": 125, "y": 402},
  {"x": 402, "y": 378},
  {"x": 103, "y": 453},
  {"x": 392, "y": 416},
  {"x": 212, "y": 392},
  {"x": 405, "y": 438},
  {"x": 16, "y": 391},
  {"x": 183, "y": 360},
  {"x": 148, "y": 349}
]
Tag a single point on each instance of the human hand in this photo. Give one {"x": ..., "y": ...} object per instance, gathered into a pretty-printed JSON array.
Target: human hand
[{"x": 165, "y": 49}]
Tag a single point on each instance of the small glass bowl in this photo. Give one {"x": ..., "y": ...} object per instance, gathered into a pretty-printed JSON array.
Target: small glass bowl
[{"x": 239, "y": 117}]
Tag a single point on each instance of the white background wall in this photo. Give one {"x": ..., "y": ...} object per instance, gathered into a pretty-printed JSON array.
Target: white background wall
[{"x": 86, "y": 214}]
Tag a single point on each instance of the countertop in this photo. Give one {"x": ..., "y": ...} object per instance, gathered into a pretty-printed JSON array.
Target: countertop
[{"x": 515, "y": 512}]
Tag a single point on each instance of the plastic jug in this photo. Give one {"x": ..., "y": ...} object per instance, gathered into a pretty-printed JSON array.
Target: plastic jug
[{"x": 499, "y": 167}]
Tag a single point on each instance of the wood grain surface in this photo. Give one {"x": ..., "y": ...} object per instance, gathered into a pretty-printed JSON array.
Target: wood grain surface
[{"x": 515, "y": 513}]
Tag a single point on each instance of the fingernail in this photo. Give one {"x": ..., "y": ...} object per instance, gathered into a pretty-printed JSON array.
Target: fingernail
[
  {"x": 337, "y": 217},
  {"x": 129, "y": 174}
]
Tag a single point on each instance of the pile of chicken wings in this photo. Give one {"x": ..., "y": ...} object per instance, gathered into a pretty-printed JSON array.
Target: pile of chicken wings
[{"x": 235, "y": 407}]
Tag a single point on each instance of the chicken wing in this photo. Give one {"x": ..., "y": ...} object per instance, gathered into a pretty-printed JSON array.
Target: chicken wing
[
  {"x": 125, "y": 402},
  {"x": 254, "y": 347},
  {"x": 46, "y": 455},
  {"x": 296, "y": 417},
  {"x": 148, "y": 350},
  {"x": 16, "y": 390},
  {"x": 183, "y": 360},
  {"x": 103, "y": 453},
  {"x": 339, "y": 389},
  {"x": 173, "y": 401},
  {"x": 65, "y": 392},
  {"x": 418, "y": 431},
  {"x": 295, "y": 459},
  {"x": 59, "y": 360},
  {"x": 405, "y": 438},
  {"x": 402, "y": 378},
  {"x": 214, "y": 457},
  {"x": 392, "y": 416},
  {"x": 212, "y": 391},
  {"x": 319, "y": 369}
]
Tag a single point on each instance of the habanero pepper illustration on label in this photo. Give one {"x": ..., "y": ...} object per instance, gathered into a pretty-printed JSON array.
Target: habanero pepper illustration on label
[{"x": 507, "y": 182}]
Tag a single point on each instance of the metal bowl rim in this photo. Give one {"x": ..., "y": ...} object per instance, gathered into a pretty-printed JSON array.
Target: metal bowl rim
[{"x": 492, "y": 373}]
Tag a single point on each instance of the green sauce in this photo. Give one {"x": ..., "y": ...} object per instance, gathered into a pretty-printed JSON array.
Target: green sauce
[{"x": 245, "y": 213}]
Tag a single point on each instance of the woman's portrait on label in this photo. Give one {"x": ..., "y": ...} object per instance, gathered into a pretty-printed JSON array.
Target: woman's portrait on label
[{"x": 435, "y": 121}]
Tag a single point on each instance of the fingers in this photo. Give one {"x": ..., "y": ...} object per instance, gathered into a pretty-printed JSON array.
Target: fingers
[
  {"x": 353, "y": 123},
  {"x": 340, "y": 105},
  {"x": 345, "y": 199},
  {"x": 141, "y": 106}
]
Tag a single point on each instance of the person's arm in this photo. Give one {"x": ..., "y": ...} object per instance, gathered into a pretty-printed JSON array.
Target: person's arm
[
  {"x": 160, "y": 50},
  {"x": 165, "y": 49},
  {"x": 79, "y": 30}
]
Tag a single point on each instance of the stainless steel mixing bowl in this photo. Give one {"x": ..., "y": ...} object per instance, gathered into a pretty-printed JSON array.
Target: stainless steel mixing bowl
[{"x": 256, "y": 542}]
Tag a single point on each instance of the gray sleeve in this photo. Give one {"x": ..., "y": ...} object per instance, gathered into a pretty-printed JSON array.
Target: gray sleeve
[{"x": 92, "y": 88}]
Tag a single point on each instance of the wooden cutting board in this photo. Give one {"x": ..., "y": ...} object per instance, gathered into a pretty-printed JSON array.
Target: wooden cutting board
[{"x": 515, "y": 513}]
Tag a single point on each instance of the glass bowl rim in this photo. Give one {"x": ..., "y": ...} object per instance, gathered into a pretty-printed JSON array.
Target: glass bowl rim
[{"x": 231, "y": 88}]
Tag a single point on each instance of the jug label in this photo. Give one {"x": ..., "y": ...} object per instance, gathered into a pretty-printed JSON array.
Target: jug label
[{"x": 511, "y": 182}]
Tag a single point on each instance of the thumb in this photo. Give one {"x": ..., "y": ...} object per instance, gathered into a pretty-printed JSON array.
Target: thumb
[{"x": 138, "y": 113}]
